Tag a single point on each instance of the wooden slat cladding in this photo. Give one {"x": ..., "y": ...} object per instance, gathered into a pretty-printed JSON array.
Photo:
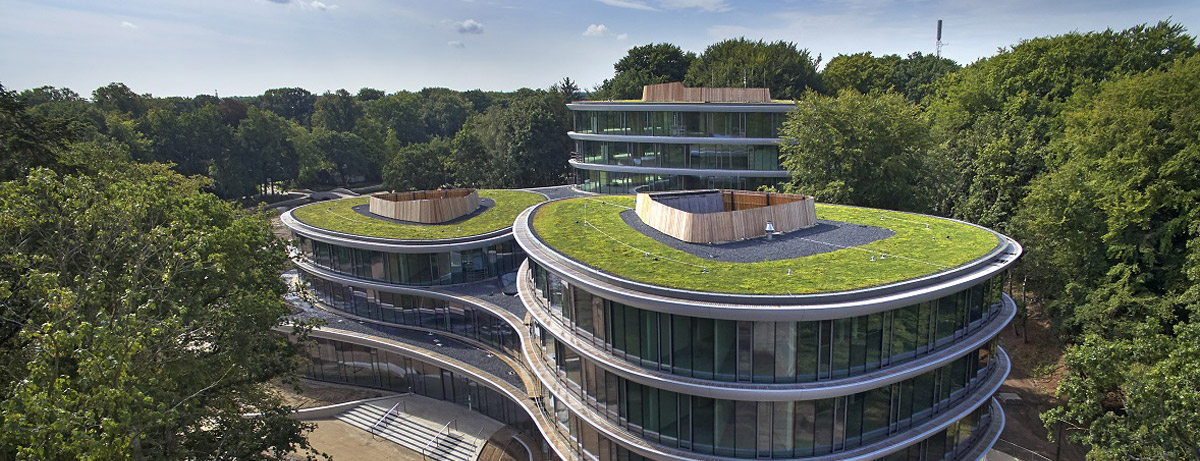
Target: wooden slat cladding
[
  {"x": 694, "y": 216},
  {"x": 676, "y": 92},
  {"x": 425, "y": 206}
]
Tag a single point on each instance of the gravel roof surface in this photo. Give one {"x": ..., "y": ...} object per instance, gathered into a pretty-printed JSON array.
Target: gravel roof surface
[
  {"x": 479, "y": 358},
  {"x": 484, "y": 205},
  {"x": 824, "y": 237},
  {"x": 557, "y": 192},
  {"x": 490, "y": 291}
]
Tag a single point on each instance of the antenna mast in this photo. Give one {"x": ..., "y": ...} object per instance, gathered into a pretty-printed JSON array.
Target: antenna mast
[{"x": 939, "y": 39}]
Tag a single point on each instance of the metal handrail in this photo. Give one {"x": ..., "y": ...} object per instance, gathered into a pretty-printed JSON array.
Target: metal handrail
[
  {"x": 436, "y": 437},
  {"x": 383, "y": 418}
]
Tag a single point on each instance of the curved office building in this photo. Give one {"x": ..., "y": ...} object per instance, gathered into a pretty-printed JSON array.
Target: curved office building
[
  {"x": 861, "y": 334},
  {"x": 869, "y": 335},
  {"x": 679, "y": 138}
]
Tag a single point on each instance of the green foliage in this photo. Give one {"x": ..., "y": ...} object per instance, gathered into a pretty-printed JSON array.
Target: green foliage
[
  {"x": 137, "y": 323},
  {"x": 418, "y": 166},
  {"x": 915, "y": 75},
  {"x": 400, "y": 113},
  {"x": 994, "y": 119},
  {"x": 116, "y": 97},
  {"x": 295, "y": 104},
  {"x": 339, "y": 216},
  {"x": 522, "y": 145},
  {"x": 344, "y": 153},
  {"x": 856, "y": 149},
  {"x": 583, "y": 229},
  {"x": 27, "y": 141},
  {"x": 444, "y": 111},
  {"x": 1113, "y": 232},
  {"x": 780, "y": 66},
  {"x": 859, "y": 71},
  {"x": 337, "y": 111},
  {"x": 644, "y": 65}
]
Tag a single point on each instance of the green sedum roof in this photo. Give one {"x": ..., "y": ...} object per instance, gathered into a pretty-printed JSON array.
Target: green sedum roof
[
  {"x": 591, "y": 231},
  {"x": 338, "y": 216}
]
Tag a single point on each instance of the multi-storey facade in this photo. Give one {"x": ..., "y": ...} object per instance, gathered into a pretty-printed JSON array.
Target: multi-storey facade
[
  {"x": 678, "y": 140},
  {"x": 869, "y": 335}
]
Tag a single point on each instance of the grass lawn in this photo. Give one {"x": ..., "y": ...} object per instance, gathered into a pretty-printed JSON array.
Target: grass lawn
[
  {"x": 337, "y": 215},
  {"x": 913, "y": 251}
]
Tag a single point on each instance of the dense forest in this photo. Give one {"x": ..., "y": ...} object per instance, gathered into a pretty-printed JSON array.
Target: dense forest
[{"x": 116, "y": 260}]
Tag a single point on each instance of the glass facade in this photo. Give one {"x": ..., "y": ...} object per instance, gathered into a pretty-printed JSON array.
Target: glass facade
[
  {"x": 751, "y": 429},
  {"x": 766, "y": 352},
  {"x": 342, "y": 362},
  {"x": 714, "y": 156},
  {"x": 464, "y": 320},
  {"x": 607, "y": 182},
  {"x": 680, "y": 123},
  {"x": 415, "y": 268},
  {"x": 951, "y": 443}
]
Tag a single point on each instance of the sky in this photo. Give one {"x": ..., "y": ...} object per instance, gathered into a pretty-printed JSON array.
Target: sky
[{"x": 244, "y": 47}]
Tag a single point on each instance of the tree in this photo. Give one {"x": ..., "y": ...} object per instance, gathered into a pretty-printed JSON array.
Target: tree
[
  {"x": 857, "y": 149},
  {"x": 915, "y": 75},
  {"x": 346, "y": 154},
  {"x": 644, "y": 65},
  {"x": 268, "y": 152},
  {"x": 337, "y": 111},
  {"x": 522, "y": 145},
  {"x": 780, "y": 66},
  {"x": 369, "y": 94},
  {"x": 232, "y": 111},
  {"x": 27, "y": 141},
  {"x": 418, "y": 166},
  {"x": 138, "y": 315},
  {"x": 400, "y": 114},
  {"x": 565, "y": 89},
  {"x": 116, "y": 97},
  {"x": 295, "y": 104},
  {"x": 859, "y": 71},
  {"x": 192, "y": 140},
  {"x": 1114, "y": 229},
  {"x": 444, "y": 111},
  {"x": 44, "y": 94},
  {"x": 1007, "y": 107}
]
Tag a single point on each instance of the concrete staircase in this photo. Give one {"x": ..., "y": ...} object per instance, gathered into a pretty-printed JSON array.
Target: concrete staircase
[{"x": 413, "y": 433}]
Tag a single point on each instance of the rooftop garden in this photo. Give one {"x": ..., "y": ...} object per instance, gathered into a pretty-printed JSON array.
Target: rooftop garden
[
  {"x": 590, "y": 230},
  {"x": 339, "y": 216}
]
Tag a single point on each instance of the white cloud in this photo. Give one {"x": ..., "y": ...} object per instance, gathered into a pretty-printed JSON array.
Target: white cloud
[
  {"x": 633, "y": 5},
  {"x": 622, "y": 36},
  {"x": 456, "y": 44},
  {"x": 595, "y": 30},
  {"x": 128, "y": 25},
  {"x": 469, "y": 26},
  {"x": 322, "y": 6}
]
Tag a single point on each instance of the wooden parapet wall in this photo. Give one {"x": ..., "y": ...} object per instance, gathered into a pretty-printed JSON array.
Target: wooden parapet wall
[
  {"x": 712, "y": 216},
  {"x": 676, "y": 92},
  {"x": 425, "y": 206}
]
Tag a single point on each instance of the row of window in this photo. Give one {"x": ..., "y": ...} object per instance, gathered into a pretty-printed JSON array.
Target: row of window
[
  {"x": 699, "y": 124},
  {"x": 950, "y": 443},
  {"x": 342, "y": 362},
  {"x": 767, "y": 352},
  {"x": 606, "y": 182},
  {"x": 702, "y": 156},
  {"x": 749, "y": 429},
  {"x": 415, "y": 268},
  {"x": 463, "y": 320}
]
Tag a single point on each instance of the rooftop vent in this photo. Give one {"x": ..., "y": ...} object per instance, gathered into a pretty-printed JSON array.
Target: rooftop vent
[
  {"x": 425, "y": 206},
  {"x": 714, "y": 215}
]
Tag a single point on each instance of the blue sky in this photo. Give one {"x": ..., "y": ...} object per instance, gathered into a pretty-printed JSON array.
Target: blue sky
[{"x": 243, "y": 47}]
